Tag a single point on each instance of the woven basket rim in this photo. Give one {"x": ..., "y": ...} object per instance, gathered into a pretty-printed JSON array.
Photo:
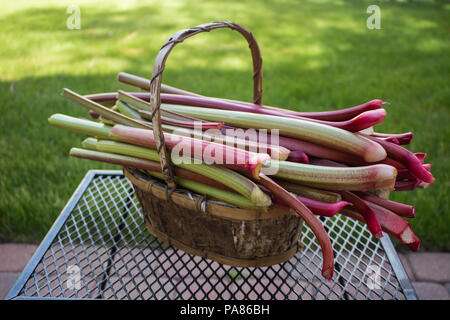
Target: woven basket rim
[{"x": 198, "y": 202}]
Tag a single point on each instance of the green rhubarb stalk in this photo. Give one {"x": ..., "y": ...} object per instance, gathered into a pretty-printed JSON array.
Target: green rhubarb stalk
[
  {"x": 313, "y": 132},
  {"x": 96, "y": 129},
  {"x": 87, "y": 127},
  {"x": 149, "y": 166},
  {"x": 135, "y": 103},
  {"x": 214, "y": 192},
  {"x": 275, "y": 152},
  {"x": 118, "y": 159},
  {"x": 309, "y": 192},
  {"x": 226, "y": 176},
  {"x": 129, "y": 112},
  {"x": 106, "y": 121},
  {"x": 103, "y": 111},
  {"x": 378, "y": 176}
]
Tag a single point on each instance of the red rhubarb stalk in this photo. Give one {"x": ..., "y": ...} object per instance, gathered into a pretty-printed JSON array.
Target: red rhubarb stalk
[
  {"x": 298, "y": 156},
  {"x": 102, "y": 110},
  {"x": 208, "y": 152},
  {"x": 392, "y": 163},
  {"x": 391, "y": 139},
  {"x": 201, "y": 124},
  {"x": 311, "y": 220},
  {"x": 398, "y": 208},
  {"x": 421, "y": 156},
  {"x": 397, "y": 225},
  {"x": 312, "y": 149},
  {"x": 168, "y": 117},
  {"x": 405, "y": 174},
  {"x": 407, "y": 185},
  {"x": 145, "y": 84},
  {"x": 325, "y": 209},
  {"x": 361, "y": 207},
  {"x": 144, "y": 164},
  {"x": 406, "y": 157},
  {"x": 275, "y": 151},
  {"x": 326, "y": 163},
  {"x": 403, "y": 138},
  {"x": 319, "y": 208},
  {"x": 188, "y": 121},
  {"x": 390, "y": 223},
  {"x": 359, "y": 122},
  {"x": 335, "y": 115}
]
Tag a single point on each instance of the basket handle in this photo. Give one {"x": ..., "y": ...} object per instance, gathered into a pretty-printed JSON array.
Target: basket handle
[{"x": 158, "y": 68}]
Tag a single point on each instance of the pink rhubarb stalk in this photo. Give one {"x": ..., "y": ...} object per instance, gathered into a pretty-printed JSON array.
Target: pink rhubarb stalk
[
  {"x": 335, "y": 115},
  {"x": 208, "y": 152},
  {"x": 168, "y": 117},
  {"x": 311, "y": 220},
  {"x": 359, "y": 122},
  {"x": 315, "y": 150},
  {"x": 421, "y": 156},
  {"x": 298, "y": 156},
  {"x": 407, "y": 185},
  {"x": 406, "y": 157},
  {"x": 326, "y": 163},
  {"x": 201, "y": 124},
  {"x": 324, "y": 209},
  {"x": 342, "y": 114},
  {"x": 402, "y": 138},
  {"x": 275, "y": 151},
  {"x": 390, "y": 223},
  {"x": 319, "y": 208},
  {"x": 363, "y": 178},
  {"x": 400, "y": 209},
  {"x": 102, "y": 110},
  {"x": 392, "y": 163},
  {"x": 143, "y": 164},
  {"x": 367, "y": 213},
  {"x": 405, "y": 174},
  {"x": 391, "y": 139},
  {"x": 187, "y": 121},
  {"x": 143, "y": 83}
]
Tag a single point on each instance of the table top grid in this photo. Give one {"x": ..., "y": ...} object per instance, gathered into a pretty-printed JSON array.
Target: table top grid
[{"x": 103, "y": 250}]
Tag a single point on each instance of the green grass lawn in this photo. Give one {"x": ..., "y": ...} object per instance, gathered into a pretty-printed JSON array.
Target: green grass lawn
[{"x": 317, "y": 55}]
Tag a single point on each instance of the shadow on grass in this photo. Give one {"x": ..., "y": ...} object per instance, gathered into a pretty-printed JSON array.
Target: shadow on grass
[{"x": 316, "y": 56}]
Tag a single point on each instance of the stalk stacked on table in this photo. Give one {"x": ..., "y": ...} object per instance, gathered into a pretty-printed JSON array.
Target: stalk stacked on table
[{"x": 328, "y": 162}]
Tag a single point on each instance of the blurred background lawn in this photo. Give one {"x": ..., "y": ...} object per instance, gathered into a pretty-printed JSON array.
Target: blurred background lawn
[{"x": 317, "y": 55}]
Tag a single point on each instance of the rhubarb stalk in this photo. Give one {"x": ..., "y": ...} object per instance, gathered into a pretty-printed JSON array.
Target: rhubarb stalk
[
  {"x": 361, "y": 207},
  {"x": 406, "y": 157},
  {"x": 335, "y": 115},
  {"x": 390, "y": 223},
  {"x": 400, "y": 209},
  {"x": 102, "y": 110},
  {"x": 230, "y": 178},
  {"x": 372, "y": 177},
  {"x": 314, "y": 224},
  {"x": 318, "y": 133},
  {"x": 208, "y": 152}
]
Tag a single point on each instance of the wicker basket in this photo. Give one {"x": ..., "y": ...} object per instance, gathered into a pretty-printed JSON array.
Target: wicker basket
[{"x": 204, "y": 227}]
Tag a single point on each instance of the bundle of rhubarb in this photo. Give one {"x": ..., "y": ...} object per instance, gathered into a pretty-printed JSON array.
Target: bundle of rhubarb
[{"x": 319, "y": 164}]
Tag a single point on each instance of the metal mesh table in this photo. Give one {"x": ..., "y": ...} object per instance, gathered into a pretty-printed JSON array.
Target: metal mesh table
[{"x": 99, "y": 248}]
